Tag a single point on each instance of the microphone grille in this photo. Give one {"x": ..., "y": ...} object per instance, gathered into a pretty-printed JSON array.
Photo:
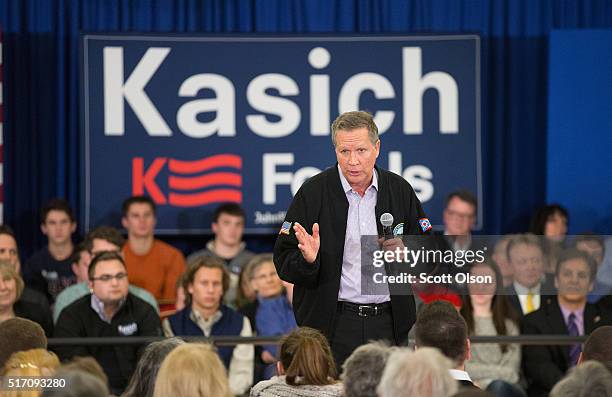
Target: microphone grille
[{"x": 386, "y": 219}]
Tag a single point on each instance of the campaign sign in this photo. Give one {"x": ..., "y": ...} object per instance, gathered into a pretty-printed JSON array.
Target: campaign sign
[{"x": 195, "y": 121}]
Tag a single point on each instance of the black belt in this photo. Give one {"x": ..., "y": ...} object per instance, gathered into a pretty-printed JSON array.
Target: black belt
[{"x": 365, "y": 310}]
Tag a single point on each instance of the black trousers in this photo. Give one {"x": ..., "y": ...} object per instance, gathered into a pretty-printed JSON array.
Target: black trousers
[{"x": 352, "y": 330}]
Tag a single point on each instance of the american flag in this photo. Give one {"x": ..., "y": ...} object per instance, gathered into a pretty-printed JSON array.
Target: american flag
[{"x": 1, "y": 139}]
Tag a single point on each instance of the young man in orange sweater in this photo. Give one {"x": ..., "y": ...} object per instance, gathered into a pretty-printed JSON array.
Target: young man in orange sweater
[{"x": 151, "y": 263}]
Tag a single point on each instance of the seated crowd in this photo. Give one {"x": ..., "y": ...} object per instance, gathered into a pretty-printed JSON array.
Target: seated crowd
[{"x": 109, "y": 286}]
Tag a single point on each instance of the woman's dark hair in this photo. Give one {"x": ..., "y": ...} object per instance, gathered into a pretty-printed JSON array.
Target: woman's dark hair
[
  {"x": 241, "y": 299},
  {"x": 541, "y": 216},
  {"x": 307, "y": 358},
  {"x": 500, "y": 307},
  {"x": 142, "y": 383}
]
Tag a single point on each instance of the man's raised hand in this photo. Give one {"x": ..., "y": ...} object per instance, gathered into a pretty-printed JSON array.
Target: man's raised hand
[{"x": 308, "y": 245}]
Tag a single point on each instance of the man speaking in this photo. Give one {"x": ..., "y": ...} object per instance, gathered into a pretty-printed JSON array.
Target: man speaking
[{"x": 319, "y": 245}]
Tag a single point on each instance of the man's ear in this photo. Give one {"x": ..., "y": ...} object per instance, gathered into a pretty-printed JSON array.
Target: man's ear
[
  {"x": 280, "y": 370},
  {"x": 468, "y": 350},
  {"x": 580, "y": 359}
]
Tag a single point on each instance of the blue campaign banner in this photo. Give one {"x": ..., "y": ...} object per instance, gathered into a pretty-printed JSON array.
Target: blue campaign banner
[
  {"x": 579, "y": 174},
  {"x": 194, "y": 121}
]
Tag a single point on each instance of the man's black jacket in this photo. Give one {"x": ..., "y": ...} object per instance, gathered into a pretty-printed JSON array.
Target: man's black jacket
[
  {"x": 322, "y": 199},
  {"x": 135, "y": 318}
]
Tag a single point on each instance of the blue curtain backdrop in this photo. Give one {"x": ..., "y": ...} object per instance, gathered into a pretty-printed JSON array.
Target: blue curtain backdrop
[{"x": 41, "y": 79}]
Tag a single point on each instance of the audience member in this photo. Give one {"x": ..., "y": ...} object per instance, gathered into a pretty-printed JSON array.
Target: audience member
[
  {"x": 423, "y": 373},
  {"x": 361, "y": 372},
  {"x": 151, "y": 263},
  {"x": 227, "y": 245},
  {"x": 9, "y": 253},
  {"x": 590, "y": 379},
  {"x": 20, "y": 334},
  {"x": 245, "y": 293},
  {"x": 88, "y": 365},
  {"x": 551, "y": 222},
  {"x": 33, "y": 362},
  {"x": 30, "y": 363},
  {"x": 142, "y": 383},
  {"x": 101, "y": 239},
  {"x": 207, "y": 280},
  {"x": 459, "y": 218},
  {"x": 110, "y": 310},
  {"x": 81, "y": 384},
  {"x": 306, "y": 368},
  {"x": 487, "y": 312},
  {"x": 271, "y": 313},
  {"x": 192, "y": 370},
  {"x": 181, "y": 300},
  {"x": 500, "y": 257},
  {"x": 527, "y": 260},
  {"x": 594, "y": 245},
  {"x": 48, "y": 270},
  {"x": 568, "y": 313},
  {"x": 11, "y": 304},
  {"x": 439, "y": 325},
  {"x": 598, "y": 347}
]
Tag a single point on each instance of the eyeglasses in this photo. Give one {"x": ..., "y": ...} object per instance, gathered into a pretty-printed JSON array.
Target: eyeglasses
[
  {"x": 459, "y": 215},
  {"x": 107, "y": 277}
]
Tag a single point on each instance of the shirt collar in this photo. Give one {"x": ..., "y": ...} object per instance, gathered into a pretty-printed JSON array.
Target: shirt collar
[
  {"x": 346, "y": 186},
  {"x": 566, "y": 313},
  {"x": 522, "y": 290},
  {"x": 197, "y": 317},
  {"x": 98, "y": 306},
  {"x": 457, "y": 374}
]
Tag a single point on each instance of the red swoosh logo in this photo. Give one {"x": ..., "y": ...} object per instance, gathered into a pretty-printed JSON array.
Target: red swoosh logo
[
  {"x": 196, "y": 166},
  {"x": 211, "y": 196},
  {"x": 199, "y": 182}
]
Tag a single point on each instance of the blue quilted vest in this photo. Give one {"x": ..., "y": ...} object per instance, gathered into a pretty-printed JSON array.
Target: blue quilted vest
[{"x": 230, "y": 324}]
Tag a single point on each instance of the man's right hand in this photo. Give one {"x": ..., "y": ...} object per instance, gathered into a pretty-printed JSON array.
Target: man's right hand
[{"x": 308, "y": 245}]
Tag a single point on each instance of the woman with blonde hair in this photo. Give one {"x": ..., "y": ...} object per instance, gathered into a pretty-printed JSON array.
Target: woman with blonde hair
[
  {"x": 306, "y": 368},
  {"x": 11, "y": 288},
  {"x": 34, "y": 362},
  {"x": 192, "y": 370}
]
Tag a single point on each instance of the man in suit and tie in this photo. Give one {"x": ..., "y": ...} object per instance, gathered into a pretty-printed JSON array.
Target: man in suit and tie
[
  {"x": 568, "y": 313},
  {"x": 526, "y": 258}
]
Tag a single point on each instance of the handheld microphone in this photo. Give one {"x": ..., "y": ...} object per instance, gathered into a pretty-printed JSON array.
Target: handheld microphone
[{"x": 386, "y": 221}]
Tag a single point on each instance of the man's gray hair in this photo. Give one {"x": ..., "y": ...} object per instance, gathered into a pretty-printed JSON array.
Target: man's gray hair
[
  {"x": 423, "y": 373},
  {"x": 78, "y": 384},
  {"x": 589, "y": 379},
  {"x": 361, "y": 372},
  {"x": 349, "y": 121}
]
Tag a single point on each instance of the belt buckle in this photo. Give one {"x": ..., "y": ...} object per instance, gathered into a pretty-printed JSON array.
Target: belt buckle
[{"x": 361, "y": 312}]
